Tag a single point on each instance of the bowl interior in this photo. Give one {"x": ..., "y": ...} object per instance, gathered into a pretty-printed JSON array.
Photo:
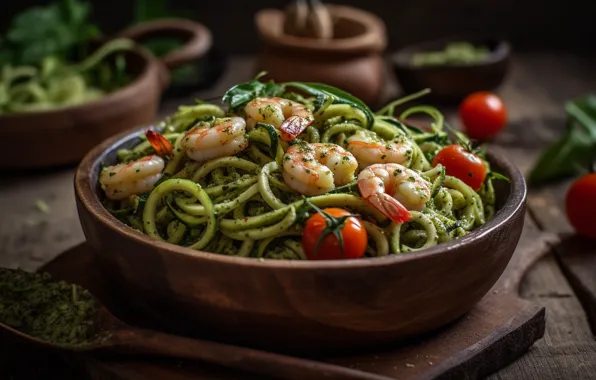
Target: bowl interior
[
  {"x": 498, "y": 50},
  {"x": 510, "y": 197}
]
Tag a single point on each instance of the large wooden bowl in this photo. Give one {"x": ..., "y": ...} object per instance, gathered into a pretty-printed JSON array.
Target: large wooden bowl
[
  {"x": 63, "y": 136},
  {"x": 313, "y": 308}
]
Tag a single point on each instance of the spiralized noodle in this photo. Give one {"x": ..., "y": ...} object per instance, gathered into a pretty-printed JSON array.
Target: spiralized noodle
[{"x": 240, "y": 205}]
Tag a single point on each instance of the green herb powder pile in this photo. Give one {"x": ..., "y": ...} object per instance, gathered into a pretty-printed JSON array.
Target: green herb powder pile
[{"x": 54, "y": 311}]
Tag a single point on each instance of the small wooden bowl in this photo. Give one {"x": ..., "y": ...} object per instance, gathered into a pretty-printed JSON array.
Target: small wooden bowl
[
  {"x": 451, "y": 83},
  {"x": 352, "y": 60},
  {"x": 63, "y": 136},
  {"x": 298, "y": 307}
]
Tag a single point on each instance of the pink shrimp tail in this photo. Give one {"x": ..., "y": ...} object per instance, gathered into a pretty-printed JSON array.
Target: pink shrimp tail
[
  {"x": 390, "y": 207},
  {"x": 293, "y": 126}
]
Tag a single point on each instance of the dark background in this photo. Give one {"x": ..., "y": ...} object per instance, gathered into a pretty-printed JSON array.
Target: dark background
[{"x": 529, "y": 24}]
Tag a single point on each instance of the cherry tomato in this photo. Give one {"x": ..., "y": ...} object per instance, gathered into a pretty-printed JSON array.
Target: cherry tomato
[
  {"x": 483, "y": 115},
  {"x": 351, "y": 229},
  {"x": 580, "y": 205},
  {"x": 462, "y": 164}
]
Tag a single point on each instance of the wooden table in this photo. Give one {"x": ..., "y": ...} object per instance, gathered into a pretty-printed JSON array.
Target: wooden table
[{"x": 535, "y": 92}]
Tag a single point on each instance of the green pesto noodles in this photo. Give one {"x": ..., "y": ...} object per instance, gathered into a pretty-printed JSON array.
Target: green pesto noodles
[{"x": 240, "y": 205}]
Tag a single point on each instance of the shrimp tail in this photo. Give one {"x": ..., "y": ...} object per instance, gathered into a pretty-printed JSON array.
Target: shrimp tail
[
  {"x": 390, "y": 207},
  {"x": 162, "y": 146},
  {"x": 293, "y": 126}
]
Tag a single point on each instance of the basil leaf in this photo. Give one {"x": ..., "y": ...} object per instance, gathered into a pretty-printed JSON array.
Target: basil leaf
[
  {"x": 240, "y": 94},
  {"x": 321, "y": 91},
  {"x": 566, "y": 157},
  {"x": 575, "y": 151},
  {"x": 583, "y": 110},
  {"x": 58, "y": 29}
]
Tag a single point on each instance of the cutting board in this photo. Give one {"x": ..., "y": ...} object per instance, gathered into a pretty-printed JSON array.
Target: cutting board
[{"x": 497, "y": 331}]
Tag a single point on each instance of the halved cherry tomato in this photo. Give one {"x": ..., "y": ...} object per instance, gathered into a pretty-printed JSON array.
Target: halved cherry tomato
[
  {"x": 483, "y": 115},
  {"x": 323, "y": 229},
  {"x": 462, "y": 164},
  {"x": 580, "y": 205}
]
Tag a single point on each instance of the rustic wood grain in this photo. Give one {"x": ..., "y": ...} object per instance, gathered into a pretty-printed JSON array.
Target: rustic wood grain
[
  {"x": 500, "y": 328},
  {"x": 568, "y": 349},
  {"x": 534, "y": 90},
  {"x": 575, "y": 255}
]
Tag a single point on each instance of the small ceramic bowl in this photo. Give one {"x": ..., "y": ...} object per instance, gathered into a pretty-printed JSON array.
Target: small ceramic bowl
[
  {"x": 451, "y": 83},
  {"x": 298, "y": 307},
  {"x": 63, "y": 136}
]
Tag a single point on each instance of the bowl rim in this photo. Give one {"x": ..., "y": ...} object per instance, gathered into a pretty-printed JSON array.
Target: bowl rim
[
  {"x": 118, "y": 95},
  {"x": 87, "y": 197},
  {"x": 501, "y": 52}
]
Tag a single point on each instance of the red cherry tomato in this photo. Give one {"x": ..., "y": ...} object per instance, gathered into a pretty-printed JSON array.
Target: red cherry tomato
[
  {"x": 462, "y": 164},
  {"x": 353, "y": 235},
  {"x": 483, "y": 115},
  {"x": 580, "y": 205}
]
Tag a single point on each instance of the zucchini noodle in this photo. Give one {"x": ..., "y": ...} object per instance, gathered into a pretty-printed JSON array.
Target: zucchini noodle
[{"x": 241, "y": 205}]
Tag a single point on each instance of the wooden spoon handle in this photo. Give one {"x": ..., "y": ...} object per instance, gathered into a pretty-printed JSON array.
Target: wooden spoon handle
[{"x": 265, "y": 363}]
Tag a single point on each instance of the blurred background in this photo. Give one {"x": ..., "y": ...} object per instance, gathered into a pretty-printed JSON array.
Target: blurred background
[{"x": 527, "y": 24}]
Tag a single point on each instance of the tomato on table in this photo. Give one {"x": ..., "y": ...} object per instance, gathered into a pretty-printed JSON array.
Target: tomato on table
[
  {"x": 324, "y": 230},
  {"x": 580, "y": 205},
  {"x": 462, "y": 164},
  {"x": 483, "y": 115}
]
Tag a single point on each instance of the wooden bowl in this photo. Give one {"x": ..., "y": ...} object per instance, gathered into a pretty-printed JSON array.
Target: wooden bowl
[
  {"x": 352, "y": 60},
  {"x": 451, "y": 83},
  {"x": 298, "y": 307},
  {"x": 63, "y": 136}
]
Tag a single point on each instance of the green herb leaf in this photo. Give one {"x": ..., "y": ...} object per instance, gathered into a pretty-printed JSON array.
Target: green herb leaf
[
  {"x": 243, "y": 93},
  {"x": 55, "y": 30},
  {"x": 324, "y": 91},
  {"x": 576, "y": 149}
]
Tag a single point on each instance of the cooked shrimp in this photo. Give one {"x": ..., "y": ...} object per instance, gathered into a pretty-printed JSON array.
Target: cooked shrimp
[
  {"x": 226, "y": 138},
  {"x": 136, "y": 177},
  {"x": 368, "y": 150},
  {"x": 290, "y": 117},
  {"x": 394, "y": 189},
  {"x": 313, "y": 169}
]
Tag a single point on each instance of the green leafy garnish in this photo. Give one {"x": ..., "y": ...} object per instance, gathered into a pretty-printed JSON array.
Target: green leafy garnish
[
  {"x": 575, "y": 151},
  {"x": 330, "y": 94},
  {"x": 241, "y": 94},
  {"x": 53, "y": 30}
]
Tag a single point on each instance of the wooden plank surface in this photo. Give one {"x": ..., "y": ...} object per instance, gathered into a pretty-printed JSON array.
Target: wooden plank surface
[
  {"x": 497, "y": 331},
  {"x": 534, "y": 92}
]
